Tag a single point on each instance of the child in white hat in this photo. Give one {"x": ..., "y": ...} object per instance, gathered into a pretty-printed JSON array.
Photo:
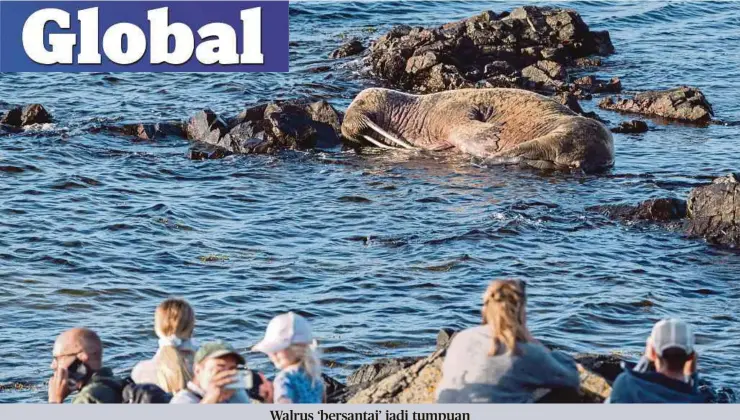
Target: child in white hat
[{"x": 291, "y": 347}]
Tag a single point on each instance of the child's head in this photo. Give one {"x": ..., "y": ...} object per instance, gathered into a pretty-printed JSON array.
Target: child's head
[{"x": 288, "y": 341}]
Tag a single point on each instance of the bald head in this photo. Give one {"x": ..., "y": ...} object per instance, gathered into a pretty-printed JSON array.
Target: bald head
[{"x": 82, "y": 342}]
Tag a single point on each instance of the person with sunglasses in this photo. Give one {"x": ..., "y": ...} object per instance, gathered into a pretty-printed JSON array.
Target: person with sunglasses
[{"x": 78, "y": 367}]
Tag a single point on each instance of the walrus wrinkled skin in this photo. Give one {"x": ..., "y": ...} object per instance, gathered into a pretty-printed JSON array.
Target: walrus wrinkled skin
[{"x": 497, "y": 125}]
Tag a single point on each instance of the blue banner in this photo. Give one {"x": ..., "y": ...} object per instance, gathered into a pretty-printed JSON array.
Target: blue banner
[{"x": 144, "y": 36}]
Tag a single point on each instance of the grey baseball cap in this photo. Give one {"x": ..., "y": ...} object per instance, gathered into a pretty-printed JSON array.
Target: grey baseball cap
[{"x": 672, "y": 333}]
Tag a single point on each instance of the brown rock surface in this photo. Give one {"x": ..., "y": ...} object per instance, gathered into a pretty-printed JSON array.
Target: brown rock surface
[{"x": 683, "y": 103}]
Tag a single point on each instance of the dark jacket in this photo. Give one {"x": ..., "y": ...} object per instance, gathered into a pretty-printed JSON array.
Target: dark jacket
[
  {"x": 653, "y": 388},
  {"x": 102, "y": 388}
]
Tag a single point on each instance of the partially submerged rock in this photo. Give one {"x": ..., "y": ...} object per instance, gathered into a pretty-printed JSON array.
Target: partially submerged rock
[
  {"x": 268, "y": 128},
  {"x": 714, "y": 212},
  {"x": 631, "y": 127},
  {"x": 528, "y": 47},
  {"x": 27, "y": 115},
  {"x": 146, "y": 131},
  {"x": 352, "y": 47},
  {"x": 592, "y": 84},
  {"x": 656, "y": 210},
  {"x": 684, "y": 103}
]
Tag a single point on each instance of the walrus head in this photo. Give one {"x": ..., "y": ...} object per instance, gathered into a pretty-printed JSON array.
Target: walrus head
[{"x": 369, "y": 120}]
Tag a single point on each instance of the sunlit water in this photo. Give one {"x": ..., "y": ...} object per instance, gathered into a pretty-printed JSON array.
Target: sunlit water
[{"x": 379, "y": 251}]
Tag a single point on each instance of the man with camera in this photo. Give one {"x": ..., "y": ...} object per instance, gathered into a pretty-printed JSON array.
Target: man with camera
[
  {"x": 670, "y": 349},
  {"x": 77, "y": 364},
  {"x": 217, "y": 378}
]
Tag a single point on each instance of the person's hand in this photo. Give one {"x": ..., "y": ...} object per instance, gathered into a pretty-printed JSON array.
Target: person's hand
[
  {"x": 58, "y": 388},
  {"x": 690, "y": 367},
  {"x": 215, "y": 392},
  {"x": 266, "y": 390}
]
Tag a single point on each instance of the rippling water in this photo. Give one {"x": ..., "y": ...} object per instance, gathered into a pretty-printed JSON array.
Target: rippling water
[{"x": 379, "y": 251}]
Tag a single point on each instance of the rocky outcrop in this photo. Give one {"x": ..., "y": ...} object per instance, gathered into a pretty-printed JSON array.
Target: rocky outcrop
[
  {"x": 631, "y": 127},
  {"x": 654, "y": 210},
  {"x": 268, "y": 128},
  {"x": 528, "y": 47},
  {"x": 684, "y": 103},
  {"x": 145, "y": 131},
  {"x": 25, "y": 116},
  {"x": 714, "y": 212},
  {"x": 417, "y": 382},
  {"x": 352, "y": 47}
]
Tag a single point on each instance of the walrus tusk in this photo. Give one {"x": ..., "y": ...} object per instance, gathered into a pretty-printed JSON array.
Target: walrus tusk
[
  {"x": 387, "y": 135},
  {"x": 377, "y": 143}
]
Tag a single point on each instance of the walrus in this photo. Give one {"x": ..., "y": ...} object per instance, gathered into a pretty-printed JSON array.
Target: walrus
[{"x": 496, "y": 125}]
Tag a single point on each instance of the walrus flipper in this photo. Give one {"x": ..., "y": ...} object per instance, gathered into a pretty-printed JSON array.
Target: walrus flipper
[{"x": 475, "y": 138}]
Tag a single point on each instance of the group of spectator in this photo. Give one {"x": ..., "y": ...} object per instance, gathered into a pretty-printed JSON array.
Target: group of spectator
[{"x": 497, "y": 362}]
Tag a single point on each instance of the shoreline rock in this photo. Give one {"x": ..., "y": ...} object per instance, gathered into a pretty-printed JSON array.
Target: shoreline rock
[
  {"x": 711, "y": 212},
  {"x": 528, "y": 47},
  {"x": 25, "y": 116},
  {"x": 352, "y": 47},
  {"x": 631, "y": 127},
  {"x": 687, "y": 104},
  {"x": 714, "y": 212},
  {"x": 406, "y": 381},
  {"x": 271, "y": 127}
]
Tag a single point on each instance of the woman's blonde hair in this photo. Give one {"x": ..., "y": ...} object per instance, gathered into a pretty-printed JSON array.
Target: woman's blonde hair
[
  {"x": 503, "y": 311},
  {"x": 308, "y": 356},
  {"x": 174, "y": 317}
]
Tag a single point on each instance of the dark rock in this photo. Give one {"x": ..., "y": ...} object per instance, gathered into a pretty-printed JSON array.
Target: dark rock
[
  {"x": 332, "y": 388},
  {"x": 352, "y": 47},
  {"x": 379, "y": 369},
  {"x": 269, "y": 128},
  {"x": 147, "y": 131},
  {"x": 631, "y": 127},
  {"x": 444, "y": 337},
  {"x": 205, "y": 126},
  {"x": 528, "y": 46},
  {"x": 591, "y": 84},
  {"x": 207, "y": 153},
  {"x": 545, "y": 74},
  {"x": 27, "y": 115},
  {"x": 587, "y": 62},
  {"x": 6, "y": 129},
  {"x": 714, "y": 212},
  {"x": 568, "y": 99},
  {"x": 684, "y": 104},
  {"x": 656, "y": 210}
]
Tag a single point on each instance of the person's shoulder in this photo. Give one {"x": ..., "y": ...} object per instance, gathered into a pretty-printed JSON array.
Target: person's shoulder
[
  {"x": 480, "y": 333},
  {"x": 100, "y": 392},
  {"x": 145, "y": 372}
]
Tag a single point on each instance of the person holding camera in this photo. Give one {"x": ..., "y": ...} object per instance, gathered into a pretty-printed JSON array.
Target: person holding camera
[
  {"x": 670, "y": 349},
  {"x": 217, "y": 378},
  {"x": 78, "y": 366}
]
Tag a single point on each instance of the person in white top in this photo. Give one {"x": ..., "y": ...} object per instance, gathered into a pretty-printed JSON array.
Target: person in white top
[{"x": 171, "y": 366}]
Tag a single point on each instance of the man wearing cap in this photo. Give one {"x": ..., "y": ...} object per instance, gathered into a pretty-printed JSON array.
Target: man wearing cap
[
  {"x": 214, "y": 367},
  {"x": 670, "y": 348}
]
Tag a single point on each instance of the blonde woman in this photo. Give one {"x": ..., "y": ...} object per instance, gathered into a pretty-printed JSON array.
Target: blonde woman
[
  {"x": 499, "y": 361},
  {"x": 171, "y": 367},
  {"x": 290, "y": 345}
]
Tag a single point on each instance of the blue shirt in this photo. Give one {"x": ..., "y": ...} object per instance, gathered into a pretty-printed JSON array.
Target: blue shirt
[{"x": 293, "y": 385}]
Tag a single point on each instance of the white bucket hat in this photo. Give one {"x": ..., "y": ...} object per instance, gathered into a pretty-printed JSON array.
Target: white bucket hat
[{"x": 283, "y": 331}]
